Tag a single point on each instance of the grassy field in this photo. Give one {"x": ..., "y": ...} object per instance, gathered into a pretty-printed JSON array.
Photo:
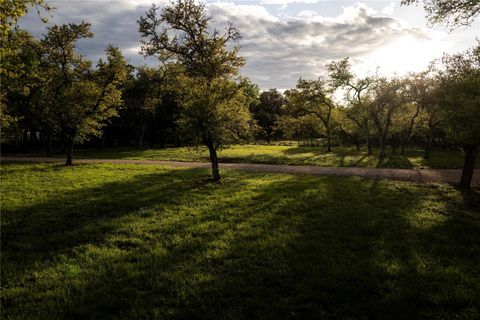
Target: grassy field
[
  {"x": 292, "y": 155},
  {"x": 150, "y": 242}
]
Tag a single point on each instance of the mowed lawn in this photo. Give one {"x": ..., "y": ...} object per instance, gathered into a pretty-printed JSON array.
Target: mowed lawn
[
  {"x": 291, "y": 155},
  {"x": 150, "y": 242}
]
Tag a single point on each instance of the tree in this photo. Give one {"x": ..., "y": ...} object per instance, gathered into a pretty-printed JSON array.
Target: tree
[
  {"x": 180, "y": 33},
  {"x": 11, "y": 42},
  {"x": 450, "y": 12},
  {"x": 384, "y": 99},
  {"x": 460, "y": 98},
  {"x": 404, "y": 123},
  {"x": 346, "y": 126},
  {"x": 267, "y": 111},
  {"x": 12, "y": 10},
  {"x": 422, "y": 89},
  {"x": 313, "y": 97},
  {"x": 81, "y": 100},
  {"x": 342, "y": 77},
  {"x": 21, "y": 79}
]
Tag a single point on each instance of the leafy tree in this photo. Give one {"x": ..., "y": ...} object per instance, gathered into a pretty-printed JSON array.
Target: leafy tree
[
  {"x": 12, "y": 10},
  {"x": 355, "y": 89},
  {"x": 11, "y": 42},
  {"x": 218, "y": 110},
  {"x": 81, "y": 100},
  {"x": 21, "y": 80},
  {"x": 451, "y": 12},
  {"x": 299, "y": 127},
  {"x": 404, "y": 123},
  {"x": 422, "y": 89},
  {"x": 313, "y": 97},
  {"x": 212, "y": 112},
  {"x": 384, "y": 99},
  {"x": 346, "y": 126},
  {"x": 151, "y": 105},
  {"x": 267, "y": 111},
  {"x": 460, "y": 98}
]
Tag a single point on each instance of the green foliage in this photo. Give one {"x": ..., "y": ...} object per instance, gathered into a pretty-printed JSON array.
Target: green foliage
[
  {"x": 313, "y": 97},
  {"x": 267, "y": 111},
  {"x": 460, "y": 95},
  {"x": 215, "y": 111},
  {"x": 80, "y": 100},
  {"x": 452, "y": 13},
  {"x": 12, "y": 10},
  {"x": 213, "y": 114},
  {"x": 146, "y": 242},
  {"x": 203, "y": 53},
  {"x": 20, "y": 80}
]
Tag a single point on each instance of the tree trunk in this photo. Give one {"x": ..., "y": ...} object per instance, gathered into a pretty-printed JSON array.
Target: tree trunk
[
  {"x": 369, "y": 144},
  {"x": 25, "y": 136},
  {"x": 69, "y": 146},
  {"x": 140, "y": 139},
  {"x": 427, "y": 146},
  {"x": 329, "y": 142},
  {"x": 382, "y": 154},
  {"x": 48, "y": 143},
  {"x": 357, "y": 143},
  {"x": 214, "y": 161},
  {"x": 402, "y": 148},
  {"x": 101, "y": 142},
  {"x": 470, "y": 151}
]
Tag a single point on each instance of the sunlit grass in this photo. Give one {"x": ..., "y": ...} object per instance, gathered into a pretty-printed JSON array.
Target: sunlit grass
[
  {"x": 151, "y": 242},
  {"x": 290, "y": 155}
]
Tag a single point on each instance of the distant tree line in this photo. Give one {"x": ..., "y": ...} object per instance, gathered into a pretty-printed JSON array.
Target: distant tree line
[{"x": 53, "y": 98}]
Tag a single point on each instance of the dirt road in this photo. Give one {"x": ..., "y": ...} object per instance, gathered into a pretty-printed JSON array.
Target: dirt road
[{"x": 417, "y": 175}]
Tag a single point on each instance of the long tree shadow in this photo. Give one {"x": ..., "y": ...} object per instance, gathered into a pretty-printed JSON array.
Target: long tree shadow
[
  {"x": 260, "y": 246},
  {"x": 394, "y": 161},
  {"x": 53, "y": 227}
]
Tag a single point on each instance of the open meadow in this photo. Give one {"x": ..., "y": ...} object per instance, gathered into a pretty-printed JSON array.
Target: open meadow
[{"x": 103, "y": 241}]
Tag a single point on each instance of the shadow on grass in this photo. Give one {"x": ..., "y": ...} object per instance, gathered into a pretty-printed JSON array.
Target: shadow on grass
[
  {"x": 394, "y": 161},
  {"x": 257, "y": 246}
]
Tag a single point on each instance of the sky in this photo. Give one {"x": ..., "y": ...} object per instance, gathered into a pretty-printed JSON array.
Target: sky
[{"x": 282, "y": 40}]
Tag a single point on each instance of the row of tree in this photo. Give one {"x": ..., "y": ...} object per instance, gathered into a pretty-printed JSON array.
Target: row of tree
[{"x": 195, "y": 96}]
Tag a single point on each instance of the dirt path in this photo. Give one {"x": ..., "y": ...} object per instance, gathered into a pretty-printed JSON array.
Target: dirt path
[{"x": 418, "y": 175}]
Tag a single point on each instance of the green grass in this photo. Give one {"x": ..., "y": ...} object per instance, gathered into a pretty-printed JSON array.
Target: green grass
[
  {"x": 292, "y": 155},
  {"x": 150, "y": 242}
]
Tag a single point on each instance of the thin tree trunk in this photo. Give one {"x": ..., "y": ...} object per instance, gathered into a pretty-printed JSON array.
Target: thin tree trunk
[
  {"x": 69, "y": 146},
  {"x": 25, "y": 136},
  {"x": 140, "y": 139},
  {"x": 48, "y": 143},
  {"x": 357, "y": 143},
  {"x": 470, "y": 151},
  {"x": 329, "y": 142},
  {"x": 214, "y": 161},
  {"x": 369, "y": 144},
  {"x": 402, "y": 148},
  {"x": 428, "y": 145},
  {"x": 382, "y": 154}
]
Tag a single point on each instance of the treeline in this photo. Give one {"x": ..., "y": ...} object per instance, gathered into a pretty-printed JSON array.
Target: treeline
[{"x": 53, "y": 98}]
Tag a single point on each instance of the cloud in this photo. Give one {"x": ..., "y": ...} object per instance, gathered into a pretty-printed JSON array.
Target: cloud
[
  {"x": 279, "y": 49},
  {"x": 388, "y": 10},
  {"x": 113, "y": 22}
]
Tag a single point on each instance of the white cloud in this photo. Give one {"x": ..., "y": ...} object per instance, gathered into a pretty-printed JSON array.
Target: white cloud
[
  {"x": 388, "y": 10},
  {"x": 278, "y": 49},
  {"x": 278, "y": 52}
]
